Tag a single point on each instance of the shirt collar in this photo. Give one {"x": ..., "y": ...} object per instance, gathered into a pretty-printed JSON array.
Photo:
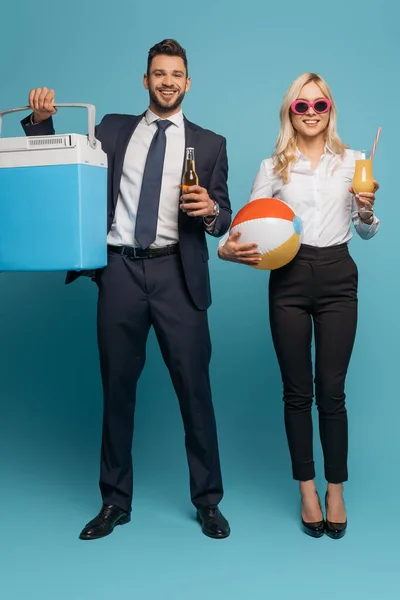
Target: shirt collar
[
  {"x": 327, "y": 150},
  {"x": 176, "y": 119}
]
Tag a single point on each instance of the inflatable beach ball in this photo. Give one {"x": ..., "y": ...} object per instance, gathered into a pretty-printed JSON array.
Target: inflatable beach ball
[{"x": 273, "y": 225}]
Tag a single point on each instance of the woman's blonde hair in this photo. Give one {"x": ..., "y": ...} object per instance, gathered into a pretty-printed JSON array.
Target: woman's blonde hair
[{"x": 285, "y": 148}]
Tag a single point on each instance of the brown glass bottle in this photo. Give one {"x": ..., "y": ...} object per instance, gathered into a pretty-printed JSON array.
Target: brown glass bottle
[{"x": 189, "y": 176}]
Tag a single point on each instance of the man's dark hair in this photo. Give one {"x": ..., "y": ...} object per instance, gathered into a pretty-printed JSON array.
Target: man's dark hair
[{"x": 169, "y": 47}]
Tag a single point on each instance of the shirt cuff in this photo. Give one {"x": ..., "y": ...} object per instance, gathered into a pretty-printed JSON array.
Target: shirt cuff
[{"x": 209, "y": 225}]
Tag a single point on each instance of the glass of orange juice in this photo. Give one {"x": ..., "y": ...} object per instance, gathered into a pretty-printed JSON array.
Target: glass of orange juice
[{"x": 363, "y": 179}]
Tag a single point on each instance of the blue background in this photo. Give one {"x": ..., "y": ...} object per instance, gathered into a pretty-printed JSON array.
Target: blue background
[{"x": 242, "y": 59}]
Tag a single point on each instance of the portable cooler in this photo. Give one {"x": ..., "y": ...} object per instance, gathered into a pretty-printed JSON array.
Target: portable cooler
[{"x": 53, "y": 200}]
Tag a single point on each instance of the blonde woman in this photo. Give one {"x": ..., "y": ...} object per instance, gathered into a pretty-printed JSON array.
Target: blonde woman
[{"x": 311, "y": 170}]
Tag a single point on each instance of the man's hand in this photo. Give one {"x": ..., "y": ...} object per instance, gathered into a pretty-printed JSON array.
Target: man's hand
[
  {"x": 197, "y": 203},
  {"x": 41, "y": 101}
]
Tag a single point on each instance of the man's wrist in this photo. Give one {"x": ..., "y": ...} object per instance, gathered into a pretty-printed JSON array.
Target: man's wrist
[
  {"x": 37, "y": 121},
  {"x": 212, "y": 216},
  {"x": 33, "y": 122}
]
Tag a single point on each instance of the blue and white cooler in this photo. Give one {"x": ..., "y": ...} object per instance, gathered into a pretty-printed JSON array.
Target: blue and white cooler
[{"x": 53, "y": 200}]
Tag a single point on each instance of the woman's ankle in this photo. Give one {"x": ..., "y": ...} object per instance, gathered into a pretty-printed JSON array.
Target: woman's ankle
[{"x": 307, "y": 487}]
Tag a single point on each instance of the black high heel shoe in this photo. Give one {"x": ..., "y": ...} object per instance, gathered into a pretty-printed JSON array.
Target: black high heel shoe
[
  {"x": 317, "y": 529},
  {"x": 334, "y": 530}
]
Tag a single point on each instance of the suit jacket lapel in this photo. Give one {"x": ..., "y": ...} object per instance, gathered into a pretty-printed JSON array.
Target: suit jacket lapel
[{"x": 120, "y": 151}]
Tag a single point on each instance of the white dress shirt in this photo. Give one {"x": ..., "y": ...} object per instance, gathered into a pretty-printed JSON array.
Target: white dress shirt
[
  {"x": 123, "y": 228},
  {"x": 320, "y": 197}
]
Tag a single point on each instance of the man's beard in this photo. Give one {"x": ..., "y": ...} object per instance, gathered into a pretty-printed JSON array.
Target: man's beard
[{"x": 166, "y": 107}]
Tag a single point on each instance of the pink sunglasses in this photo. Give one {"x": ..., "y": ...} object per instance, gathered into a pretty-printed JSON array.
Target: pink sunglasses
[{"x": 301, "y": 107}]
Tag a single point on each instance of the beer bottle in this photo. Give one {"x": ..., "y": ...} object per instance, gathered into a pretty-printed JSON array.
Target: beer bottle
[{"x": 190, "y": 176}]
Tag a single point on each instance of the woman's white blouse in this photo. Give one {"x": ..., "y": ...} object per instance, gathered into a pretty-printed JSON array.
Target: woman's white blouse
[{"x": 320, "y": 197}]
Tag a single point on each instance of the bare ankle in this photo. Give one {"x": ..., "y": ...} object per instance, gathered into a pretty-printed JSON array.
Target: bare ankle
[
  {"x": 335, "y": 489},
  {"x": 307, "y": 487}
]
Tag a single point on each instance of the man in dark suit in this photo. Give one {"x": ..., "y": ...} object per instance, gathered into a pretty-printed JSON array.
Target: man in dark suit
[{"x": 157, "y": 275}]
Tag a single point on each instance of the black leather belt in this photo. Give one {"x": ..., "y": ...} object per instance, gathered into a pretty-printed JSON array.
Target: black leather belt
[{"x": 139, "y": 253}]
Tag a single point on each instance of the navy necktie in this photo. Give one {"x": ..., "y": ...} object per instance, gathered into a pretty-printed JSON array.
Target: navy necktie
[{"x": 149, "y": 200}]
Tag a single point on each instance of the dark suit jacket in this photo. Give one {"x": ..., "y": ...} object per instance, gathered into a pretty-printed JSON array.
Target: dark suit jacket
[{"x": 114, "y": 132}]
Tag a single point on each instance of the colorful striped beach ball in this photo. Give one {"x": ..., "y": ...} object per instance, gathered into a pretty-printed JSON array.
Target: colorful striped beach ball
[{"x": 273, "y": 225}]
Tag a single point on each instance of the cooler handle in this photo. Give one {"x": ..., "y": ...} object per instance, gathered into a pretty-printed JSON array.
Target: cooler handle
[{"x": 91, "y": 117}]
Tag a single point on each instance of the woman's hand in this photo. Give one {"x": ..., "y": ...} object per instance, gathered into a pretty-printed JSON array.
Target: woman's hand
[
  {"x": 365, "y": 203},
  {"x": 244, "y": 254}
]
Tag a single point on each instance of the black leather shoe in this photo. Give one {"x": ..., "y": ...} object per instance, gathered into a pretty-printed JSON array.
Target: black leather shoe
[
  {"x": 316, "y": 529},
  {"x": 334, "y": 530},
  {"x": 213, "y": 523},
  {"x": 109, "y": 517}
]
